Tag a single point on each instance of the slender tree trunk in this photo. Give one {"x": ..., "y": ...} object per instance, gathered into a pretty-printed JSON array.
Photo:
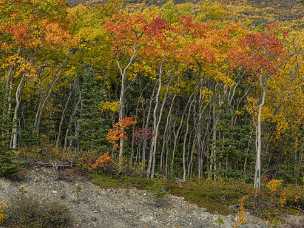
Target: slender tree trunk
[
  {"x": 123, "y": 74},
  {"x": 8, "y": 91},
  {"x": 190, "y": 164},
  {"x": 133, "y": 136},
  {"x": 185, "y": 140},
  {"x": 257, "y": 175},
  {"x": 165, "y": 135},
  {"x": 169, "y": 141},
  {"x": 76, "y": 108},
  {"x": 121, "y": 115},
  {"x": 177, "y": 134},
  {"x": 146, "y": 127},
  {"x": 247, "y": 153},
  {"x": 14, "y": 139},
  {"x": 212, "y": 168},
  {"x": 199, "y": 136},
  {"x": 149, "y": 168},
  {"x": 76, "y": 135},
  {"x": 42, "y": 104},
  {"x": 63, "y": 116},
  {"x": 157, "y": 132}
]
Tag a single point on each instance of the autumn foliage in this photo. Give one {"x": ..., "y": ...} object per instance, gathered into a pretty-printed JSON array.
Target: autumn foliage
[
  {"x": 102, "y": 161},
  {"x": 19, "y": 32},
  {"x": 55, "y": 34},
  {"x": 258, "y": 53},
  {"x": 118, "y": 131}
]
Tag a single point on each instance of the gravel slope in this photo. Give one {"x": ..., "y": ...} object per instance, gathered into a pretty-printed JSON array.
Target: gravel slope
[{"x": 124, "y": 208}]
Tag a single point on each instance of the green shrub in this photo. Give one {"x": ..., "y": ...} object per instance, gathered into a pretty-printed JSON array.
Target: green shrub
[
  {"x": 86, "y": 159},
  {"x": 158, "y": 188},
  {"x": 26, "y": 212},
  {"x": 216, "y": 196},
  {"x": 56, "y": 215},
  {"x": 8, "y": 163},
  {"x": 295, "y": 196}
]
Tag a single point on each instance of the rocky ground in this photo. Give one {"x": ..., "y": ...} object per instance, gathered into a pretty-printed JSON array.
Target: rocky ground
[{"x": 112, "y": 208}]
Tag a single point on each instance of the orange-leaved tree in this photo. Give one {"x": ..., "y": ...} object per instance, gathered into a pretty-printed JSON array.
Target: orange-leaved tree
[
  {"x": 125, "y": 32},
  {"x": 118, "y": 131},
  {"x": 135, "y": 35},
  {"x": 260, "y": 55}
]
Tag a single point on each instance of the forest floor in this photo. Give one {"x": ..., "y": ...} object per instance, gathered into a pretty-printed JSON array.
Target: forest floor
[{"x": 93, "y": 206}]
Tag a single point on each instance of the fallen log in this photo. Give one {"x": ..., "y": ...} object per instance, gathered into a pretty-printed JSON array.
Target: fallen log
[{"x": 56, "y": 165}]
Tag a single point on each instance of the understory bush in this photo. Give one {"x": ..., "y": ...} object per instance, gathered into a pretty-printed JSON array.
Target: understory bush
[
  {"x": 27, "y": 212},
  {"x": 47, "y": 153},
  {"x": 8, "y": 163},
  {"x": 105, "y": 164}
]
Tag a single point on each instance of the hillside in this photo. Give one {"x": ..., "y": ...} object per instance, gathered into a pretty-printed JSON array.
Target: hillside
[{"x": 201, "y": 100}]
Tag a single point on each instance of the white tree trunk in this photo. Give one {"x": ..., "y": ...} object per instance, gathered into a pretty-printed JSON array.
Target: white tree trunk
[
  {"x": 76, "y": 108},
  {"x": 146, "y": 126},
  {"x": 123, "y": 74},
  {"x": 14, "y": 138},
  {"x": 176, "y": 135},
  {"x": 63, "y": 116},
  {"x": 8, "y": 91},
  {"x": 42, "y": 104},
  {"x": 185, "y": 140},
  {"x": 212, "y": 167},
  {"x": 257, "y": 176},
  {"x": 149, "y": 168},
  {"x": 156, "y": 133},
  {"x": 165, "y": 134}
]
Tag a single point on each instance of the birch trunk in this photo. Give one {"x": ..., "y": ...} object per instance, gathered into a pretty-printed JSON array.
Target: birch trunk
[
  {"x": 212, "y": 168},
  {"x": 76, "y": 108},
  {"x": 185, "y": 140},
  {"x": 155, "y": 120},
  {"x": 63, "y": 116},
  {"x": 133, "y": 136},
  {"x": 8, "y": 91},
  {"x": 257, "y": 175},
  {"x": 42, "y": 104},
  {"x": 146, "y": 127},
  {"x": 177, "y": 134},
  {"x": 157, "y": 132},
  {"x": 14, "y": 138},
  {"x": 165, "y": 134},
  {"x": 123, "y": 74}
]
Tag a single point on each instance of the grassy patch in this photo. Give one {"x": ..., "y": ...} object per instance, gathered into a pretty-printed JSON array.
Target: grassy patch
[{"x": 216, "y": 196}]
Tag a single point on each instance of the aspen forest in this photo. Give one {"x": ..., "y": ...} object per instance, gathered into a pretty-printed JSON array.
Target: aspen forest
[{"x": 164, "y": 91}]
